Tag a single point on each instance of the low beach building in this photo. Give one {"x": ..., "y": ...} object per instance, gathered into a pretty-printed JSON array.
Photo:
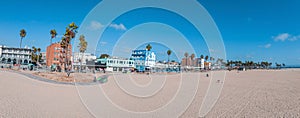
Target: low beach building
[
  {"x": 12, "y": 55},
  {"x": 115, "y": 64},
  {"x": 81, "y": 59},
  {"x": 197, "y": 63}
]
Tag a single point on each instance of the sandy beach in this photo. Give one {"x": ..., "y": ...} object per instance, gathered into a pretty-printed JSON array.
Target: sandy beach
[{"x": 254, "y": 93}]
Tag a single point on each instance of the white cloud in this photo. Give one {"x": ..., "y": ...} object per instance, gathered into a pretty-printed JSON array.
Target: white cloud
[
  {"x": 102, "y": 43},
  {"x": 95, "y": 25},
  {"x": 267, "y": 45},
  {"x": 286, "y": 36},
  {"x": 118, "y": 27},
  {"x": 294, "y": 38}
]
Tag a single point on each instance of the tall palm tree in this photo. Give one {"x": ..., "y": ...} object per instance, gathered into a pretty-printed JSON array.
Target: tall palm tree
[
  {"x": 82, "y": 44},
  {"x": 210, "y": 58},
  {"x": 22, "y": 35},
  {"x": 186, "y": 57},
  {"x": 270, "y": 64},
  {"x": 202, "y": 57},
  {"x": 70, "y": 33},
  {"x": 33, "y": 55},
  {"x": 38, "y": 55},
  {"x": 82, "y": 48},
  {"x": 148, "y": 47},
  {"x": 53, "y": 34},
  {"x": 206, "y": 57},
  {"x": 192, "y": 58},
  {"x": 230, "y": 63},
  {"x": 169, "y": 52}
]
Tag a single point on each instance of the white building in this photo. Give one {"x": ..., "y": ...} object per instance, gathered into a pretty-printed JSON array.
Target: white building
[
  {"x": 202, "y": 64},
  {"x": 144, "y": 59},
  {"x": 11, "y": 55},
  {"x": 43, "y": 62},
  {"x": 116, "y": 64},
  {"x": 83, "y": 57}
]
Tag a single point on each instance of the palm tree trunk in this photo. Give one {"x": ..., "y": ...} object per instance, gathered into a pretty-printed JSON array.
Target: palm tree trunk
[
  {"x": 21, "y": 42},
  {"x": 168, "y": 61},
  {"x": 66, "y": 55},
  {"x": 186, "y": 61},
  {"x": 81, "y": 62}
]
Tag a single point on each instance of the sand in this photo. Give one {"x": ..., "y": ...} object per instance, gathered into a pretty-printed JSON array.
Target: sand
[{"x": 255, "y": 93}]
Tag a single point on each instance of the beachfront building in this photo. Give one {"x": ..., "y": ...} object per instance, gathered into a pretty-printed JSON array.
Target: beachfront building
[
  {"x": 115, "y": 64},
  {"x": 11, "y": 55},
  {"x": 190, "y": 63},
  {"x": 43, "y": 58},
  {"x": 55, "y": 57},
  {"x": 196, "y": 63},
  {"x": 81, "y": 59},
  {"x": 187, "y": 62},
  {"x": 202, "y": 63},
  {"x": 144, "y": 59},
  {"x": 166, "y": 67}
]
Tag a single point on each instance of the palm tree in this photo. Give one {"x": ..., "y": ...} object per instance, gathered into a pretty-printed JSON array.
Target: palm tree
[
  {"x": 71, "y": 30},
  {"x": 231, "y": 63},
  {"x": 22, "y": 35},
  {"x": 169, "y": 52},
  {"x": 33, "y": 54},
  {"x": 186, "y": 56},
  {"x": 53, "y": 35},
  {"x": 208, "y": 66},
  {"x": 202, "y": 57},
  {"x": 192, "y": 58},
  {"x": 270, "y": 64},
  {"x": 220, "y": 61},
  {"x": 211, "y": 58},
  {"x": 102, "y": 56},
  {"x": 38, "y": 55},
  {"x": 82, "y": 49},
  {"x": 251, "y": 63},
  {"x": 206, "y": 57},
  {"x": 228, "y": 63},
  {"x": 278, "y": 66},
  {"x": 148, "y": 47}
]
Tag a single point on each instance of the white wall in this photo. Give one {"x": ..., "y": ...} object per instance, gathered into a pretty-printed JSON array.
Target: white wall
[
  {"x": 83, "y": 57},
  {"x": 0, "y": 52},
  {"x": 202, "y": 64}
]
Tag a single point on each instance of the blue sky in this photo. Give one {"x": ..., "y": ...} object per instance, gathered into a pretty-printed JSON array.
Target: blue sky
[{"x": 258, "y": 30}]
